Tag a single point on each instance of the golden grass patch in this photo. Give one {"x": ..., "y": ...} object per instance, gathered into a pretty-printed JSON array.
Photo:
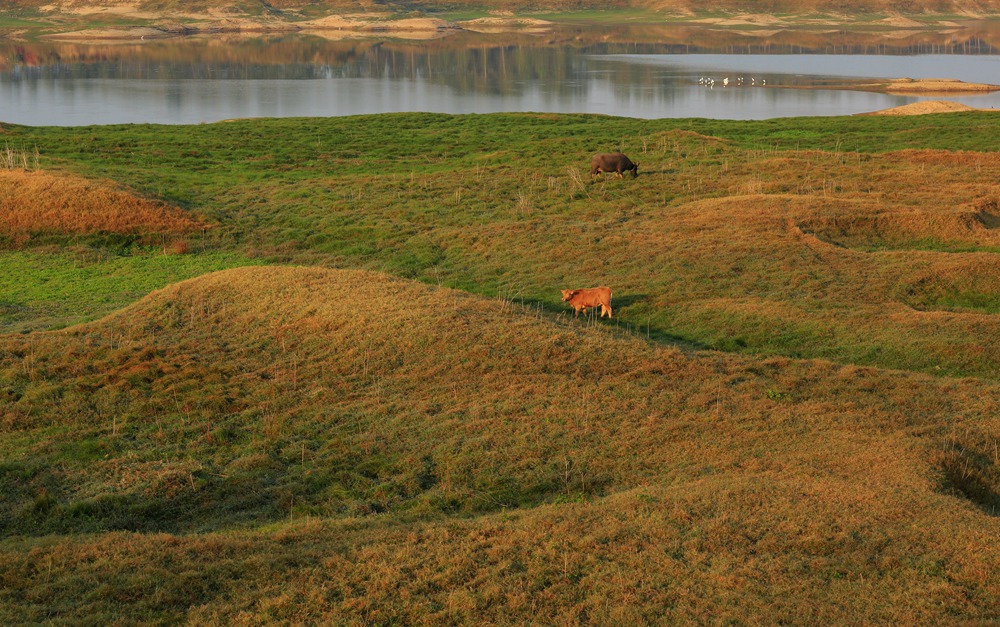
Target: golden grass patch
[
  {"x": 33, "y": 202},
  {"x": 925, "y": 108}
]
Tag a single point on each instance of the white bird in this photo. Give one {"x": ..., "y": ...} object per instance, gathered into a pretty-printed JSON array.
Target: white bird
[{"x": 725, "y": 81}]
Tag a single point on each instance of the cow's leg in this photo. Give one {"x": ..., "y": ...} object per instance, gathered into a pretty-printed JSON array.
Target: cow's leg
[{"x": 606, "y": 308}]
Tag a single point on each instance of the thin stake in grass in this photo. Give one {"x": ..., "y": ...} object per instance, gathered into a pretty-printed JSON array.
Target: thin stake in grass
[{"x": 12, "y": 158}]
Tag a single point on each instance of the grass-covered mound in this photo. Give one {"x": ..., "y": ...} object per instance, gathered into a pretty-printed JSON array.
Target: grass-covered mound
[
  {"x": 42, "y": 203},
  {"x": 309, "y": 444}
]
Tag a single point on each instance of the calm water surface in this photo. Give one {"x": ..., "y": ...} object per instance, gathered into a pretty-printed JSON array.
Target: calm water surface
[{"x": 643, "y": 73}]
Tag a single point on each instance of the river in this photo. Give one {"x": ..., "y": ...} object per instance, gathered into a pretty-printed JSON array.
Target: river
[{"x": 644, "y": 72}]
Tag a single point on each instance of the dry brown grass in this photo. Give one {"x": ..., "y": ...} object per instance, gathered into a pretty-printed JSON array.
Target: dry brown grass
[{"x": 34, "y": 202}]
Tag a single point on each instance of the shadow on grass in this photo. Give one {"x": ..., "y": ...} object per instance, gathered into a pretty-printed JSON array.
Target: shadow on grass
[
  {"x": 629, "y": 326},
  {"x": 971, "y": 474},
  {"x": 627, "y": 300}
]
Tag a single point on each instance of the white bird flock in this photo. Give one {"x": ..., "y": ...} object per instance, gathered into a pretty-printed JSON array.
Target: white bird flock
[{"x": 740, "y": 81}]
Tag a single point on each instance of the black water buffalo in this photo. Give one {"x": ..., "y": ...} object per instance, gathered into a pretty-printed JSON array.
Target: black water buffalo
[{"x": 614, "y": 162}]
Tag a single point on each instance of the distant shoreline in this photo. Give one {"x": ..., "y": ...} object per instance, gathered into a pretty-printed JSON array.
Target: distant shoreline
[{"x": 111, "y": 24}]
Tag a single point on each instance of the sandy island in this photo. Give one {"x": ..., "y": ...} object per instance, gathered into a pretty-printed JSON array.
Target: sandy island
[
  {"x": 499, "y": 24},
  {"x": 910, "y": 87},
  {"x": 929, "y": 87}
]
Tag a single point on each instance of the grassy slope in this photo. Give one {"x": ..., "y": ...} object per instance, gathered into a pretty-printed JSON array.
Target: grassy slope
[
  {"x": 309, "y": 444},
  {"x": 51, "y": 287},
  {"x": 830, "y": 238}
]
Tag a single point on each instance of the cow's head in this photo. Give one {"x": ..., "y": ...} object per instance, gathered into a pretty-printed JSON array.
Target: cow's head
[
  {"x": 568, "y": 294},
  {"x": 635, "y": 170}
]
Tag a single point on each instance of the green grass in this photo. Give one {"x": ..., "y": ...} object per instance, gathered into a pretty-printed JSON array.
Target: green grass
[
  {"x": 45, "y": 289},
  {"x": 604, "y": 16},
  {"x": 968, "y": 301},
  {"x": 956, "y": 297},
  {"x": 11, "y": 21},
  {"x": 460, "y": 15}
]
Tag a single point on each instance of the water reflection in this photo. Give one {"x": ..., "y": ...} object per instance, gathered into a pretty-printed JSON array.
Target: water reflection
[{"x": 646, "y": 71}]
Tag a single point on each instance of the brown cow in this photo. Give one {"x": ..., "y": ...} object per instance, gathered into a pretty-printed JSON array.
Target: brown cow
[
  {"x": 617, "y": 163},
  {"x": 590, "y": 297}
]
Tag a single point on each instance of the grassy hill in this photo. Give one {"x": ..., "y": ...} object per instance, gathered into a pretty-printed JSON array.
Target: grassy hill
[
  {"x": 327, "y": 377},
  {"x": 313, "y": 444},
  {"x": 37, "y": 203}
]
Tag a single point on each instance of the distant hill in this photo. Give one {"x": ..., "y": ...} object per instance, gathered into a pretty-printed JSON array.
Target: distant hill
[{"x": 312, "y": 7}]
